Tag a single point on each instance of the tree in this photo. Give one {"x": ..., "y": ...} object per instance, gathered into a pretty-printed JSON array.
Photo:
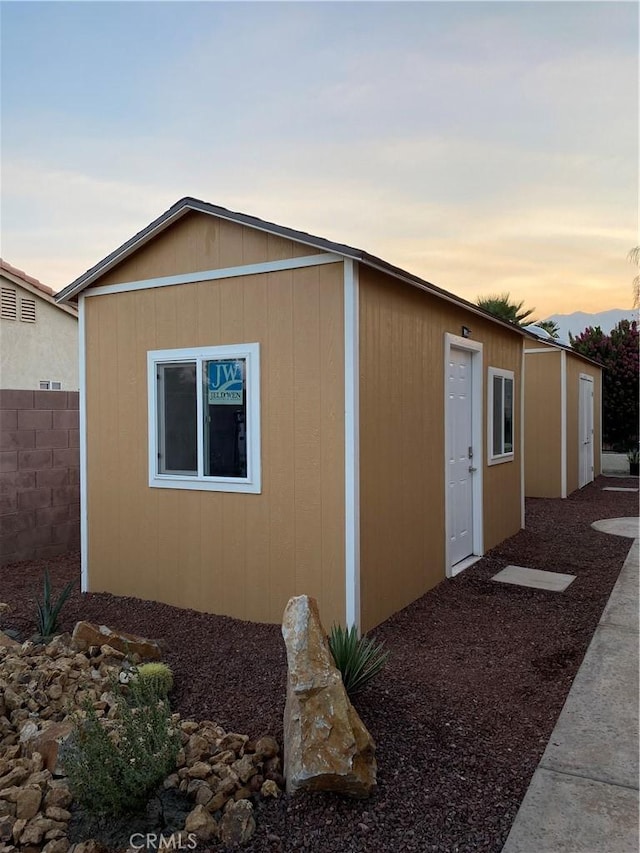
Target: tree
[
  {"x": 634, "y": 257},
  {"x": 618, "y": 354},
  {"x": 501, "y": 306},
  {"x": 549, "y": 326}
]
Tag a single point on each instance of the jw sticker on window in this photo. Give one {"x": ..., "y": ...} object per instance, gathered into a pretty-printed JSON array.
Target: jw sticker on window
[{"x": 225, "y": 380}]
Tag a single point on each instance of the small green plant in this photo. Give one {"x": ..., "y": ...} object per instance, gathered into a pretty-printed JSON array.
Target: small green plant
[
  {"x": 48, "y": 610},
  {"x": 359, "y": 659},
  {"x": 112, "y": 771},
  {"x": 155, "y": 678}
]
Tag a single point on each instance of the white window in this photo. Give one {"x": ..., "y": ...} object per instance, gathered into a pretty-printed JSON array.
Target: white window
[
  {"x": 500, "y": 408},
  {"x": 45, "y": 385},
  {"x": 204, "y": 418},
  {"x": 50, "y": 385},
  {"x": 9, "y": 306},
  {"x": 28, "y": 310}
]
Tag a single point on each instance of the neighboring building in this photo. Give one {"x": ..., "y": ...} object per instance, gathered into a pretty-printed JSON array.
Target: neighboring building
[
  {"x": 38, "y": 337},
  {"x": 266, "y": 413},
  {"x": 563, "y": 419}
]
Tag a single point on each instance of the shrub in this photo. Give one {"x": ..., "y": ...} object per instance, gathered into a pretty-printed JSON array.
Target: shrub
[
  {"x": 48, "y": 611},
  {"x": 154, "y": 680},
  {"x": 112, "y": 771},
  {"x": 359, "y": 659}
]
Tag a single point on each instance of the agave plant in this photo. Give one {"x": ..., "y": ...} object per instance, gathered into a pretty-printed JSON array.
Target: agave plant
[
  {"x": 359, "y": 659},
  {"x": 48, "y": 610}
]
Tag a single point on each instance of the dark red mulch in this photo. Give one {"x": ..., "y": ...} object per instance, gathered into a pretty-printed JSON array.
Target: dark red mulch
[{"x": 478, "y": 674}]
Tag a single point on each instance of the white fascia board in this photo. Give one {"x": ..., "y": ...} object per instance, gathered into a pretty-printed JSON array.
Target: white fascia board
[
  {"x": 352, "y": 444},
  {"x": 213, "y": 275}
]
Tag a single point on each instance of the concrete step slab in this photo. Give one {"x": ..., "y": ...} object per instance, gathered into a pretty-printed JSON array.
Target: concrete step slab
[
  {"x": 629, "y": 527},
  {"x": 536, "y": 578}
]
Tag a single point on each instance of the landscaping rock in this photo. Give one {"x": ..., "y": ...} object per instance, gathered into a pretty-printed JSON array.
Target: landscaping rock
[
  {"x": 327, "y": 746},
  {"x": 39, "y": 687},
  {"x": 201, "y": 823},
  {"x": 86, "y": 635},
  {"x": 7, "y": 643},
  {"x": 28, "y": 802},
  {"x": 237, "y": 824},
  {"x": 47, "y": 742}
]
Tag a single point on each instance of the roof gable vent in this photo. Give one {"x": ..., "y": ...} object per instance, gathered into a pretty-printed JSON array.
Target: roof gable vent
[
  {"x": 28, "y": 310},
  {"x": 9, "y": 305}
]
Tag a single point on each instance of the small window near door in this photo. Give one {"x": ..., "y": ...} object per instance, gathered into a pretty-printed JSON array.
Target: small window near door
[{"x": 501, "y": 412}]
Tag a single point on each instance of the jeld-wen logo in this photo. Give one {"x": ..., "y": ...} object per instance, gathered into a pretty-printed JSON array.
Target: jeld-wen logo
[
  {"x": 155, "y": 841},
  {"x": 225, "y": 381}
]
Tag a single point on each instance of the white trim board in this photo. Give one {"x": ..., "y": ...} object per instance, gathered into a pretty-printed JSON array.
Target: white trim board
[
  {"x": 352, "y": 443},
  {"x": 476, "y": 350},
  {"x": 213, "y": 275},
  {"x": 82, "y": 416},
  {"x": 523, "y": 368},
  {"x": 563, "y": 424}
]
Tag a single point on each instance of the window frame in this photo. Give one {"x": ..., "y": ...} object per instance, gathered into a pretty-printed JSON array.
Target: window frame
[
  {"x": 198, "y": 482},
  {"x": 498, "y": 458}
]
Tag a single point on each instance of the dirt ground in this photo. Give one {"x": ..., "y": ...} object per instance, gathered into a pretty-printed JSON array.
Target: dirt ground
[{"x": 477, "y": 676}]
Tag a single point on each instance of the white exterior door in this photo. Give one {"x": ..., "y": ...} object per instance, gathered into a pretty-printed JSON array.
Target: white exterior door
[
  {"x": 585, "y": 431},
  {"x": 459, "y": 455}
]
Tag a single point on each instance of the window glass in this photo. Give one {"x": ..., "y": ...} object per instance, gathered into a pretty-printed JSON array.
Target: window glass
[
  {"x": 497, "y": 415},
  {"x": 177, "y": 420},
  {"x": 508, "y": 416},
  {"x": 225, "y": 417}
]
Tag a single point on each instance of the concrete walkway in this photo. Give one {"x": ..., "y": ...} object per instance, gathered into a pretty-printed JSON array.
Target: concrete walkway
[{"x": 583, "y": 797}]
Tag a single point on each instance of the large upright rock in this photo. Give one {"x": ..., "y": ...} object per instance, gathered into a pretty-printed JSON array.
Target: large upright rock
[{"x": 326, "y": 744}]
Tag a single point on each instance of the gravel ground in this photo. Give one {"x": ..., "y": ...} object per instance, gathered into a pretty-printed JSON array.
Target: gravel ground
[{"x": 477, "y": 677}]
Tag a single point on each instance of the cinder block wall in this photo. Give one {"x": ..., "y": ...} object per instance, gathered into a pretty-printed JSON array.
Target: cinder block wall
[{"x": 39, "y": 474}]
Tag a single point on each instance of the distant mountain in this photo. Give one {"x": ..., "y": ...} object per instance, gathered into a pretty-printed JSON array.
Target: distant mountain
[{"x": 579, "y": 321}]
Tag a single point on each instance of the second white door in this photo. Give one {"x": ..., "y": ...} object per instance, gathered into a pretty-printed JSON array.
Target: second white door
[{"x": 459, "y": 455}]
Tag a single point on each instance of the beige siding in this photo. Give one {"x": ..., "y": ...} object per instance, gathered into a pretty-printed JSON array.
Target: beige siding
[
  {"x": 198, "y": 242},
  {"x": 576, "y": 366},
  {"x": 402, "y": 451},
  {"x": 242, "y": 555},
  {"x": 543, "y": 424}
]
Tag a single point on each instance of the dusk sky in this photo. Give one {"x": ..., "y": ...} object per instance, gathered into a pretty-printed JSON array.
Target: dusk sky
[{"x": 485, "y": 146}]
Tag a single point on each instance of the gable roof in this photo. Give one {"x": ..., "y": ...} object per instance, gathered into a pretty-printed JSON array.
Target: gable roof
[
  {"x": 28, "y": 282},
  {"x": 544, "y": 338},
  {"x": 187, "y": 204}
]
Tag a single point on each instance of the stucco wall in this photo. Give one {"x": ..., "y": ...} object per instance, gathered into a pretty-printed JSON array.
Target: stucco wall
[
  {"x": 46, "y": 349},
  {"x": 39, "y": 474}
]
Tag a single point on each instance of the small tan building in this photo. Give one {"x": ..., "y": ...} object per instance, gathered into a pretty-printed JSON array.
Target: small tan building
[
  {"x": 563, "y": 419},
  {"x": 266, "y": 413}
]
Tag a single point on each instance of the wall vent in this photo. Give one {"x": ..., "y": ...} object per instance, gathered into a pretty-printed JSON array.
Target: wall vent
[
  {"x": 8, "y": 309},
  {"x": 28, "y": 310}
]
